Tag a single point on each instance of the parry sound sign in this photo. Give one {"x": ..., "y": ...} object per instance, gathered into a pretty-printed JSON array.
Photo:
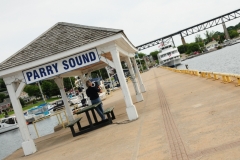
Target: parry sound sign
[{"x": 61, "y": 66}]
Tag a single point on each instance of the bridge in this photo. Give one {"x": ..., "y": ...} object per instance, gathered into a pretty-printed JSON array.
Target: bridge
[{"x": 194, "y": 29}]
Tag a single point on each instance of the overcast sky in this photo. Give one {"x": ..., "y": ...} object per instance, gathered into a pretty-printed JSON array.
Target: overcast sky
[{"x": 142, "y": 20}]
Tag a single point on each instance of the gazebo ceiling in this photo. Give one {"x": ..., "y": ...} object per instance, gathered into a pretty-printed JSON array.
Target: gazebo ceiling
[{"x": 61, "y": 37}]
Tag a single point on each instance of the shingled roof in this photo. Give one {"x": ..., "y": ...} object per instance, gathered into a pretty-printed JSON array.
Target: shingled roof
[{"x": 59, "y": 38}]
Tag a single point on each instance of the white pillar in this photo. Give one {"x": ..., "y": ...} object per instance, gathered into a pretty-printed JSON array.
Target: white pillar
[
  {"x": 131, "y": 109},
  {"x": 28, "y": 144},
  {"x": 142, "y": 87},
  {"x": 59, "y": 82},
  {"x": 133, "y": 78}
]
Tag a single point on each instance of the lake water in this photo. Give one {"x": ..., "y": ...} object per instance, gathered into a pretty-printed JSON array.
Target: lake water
[
  {"x": 225, "y": 60},
  {"x": 12, "y": 140}
]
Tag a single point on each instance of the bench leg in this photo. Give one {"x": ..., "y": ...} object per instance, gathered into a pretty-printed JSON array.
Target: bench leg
[
  {"x": 94, "y": 116},
  {"x": 113, "y": 116},
  {"x": 109, "y": 118},
  {"x": 73, "y": 131},
  {"x": 79, "y": 125}
]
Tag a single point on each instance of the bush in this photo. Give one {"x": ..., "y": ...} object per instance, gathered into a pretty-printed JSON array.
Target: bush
[
  {"x": 183, "y": 48},
  {"x": 3, "y": 89},
  {"x": 22, "y": 102},
  {"x": 219, "y": 47},
  {"x": 34, "y": 101}
]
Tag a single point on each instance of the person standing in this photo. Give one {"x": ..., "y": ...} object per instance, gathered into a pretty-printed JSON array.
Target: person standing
[{"x": 92, "y": 93}]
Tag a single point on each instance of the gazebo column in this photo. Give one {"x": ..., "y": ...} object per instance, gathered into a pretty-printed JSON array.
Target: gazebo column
[
  {"x": 142, "y": 87},
  {"x": 59, "y": 82},
  {"x": 131, "y": 109},
  {"x": 133, "y": 78},
  {"x": 14, "y": 91}
]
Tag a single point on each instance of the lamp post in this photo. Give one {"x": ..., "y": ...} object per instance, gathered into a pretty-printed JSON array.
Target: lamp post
[{"x": 41, "y": 92}]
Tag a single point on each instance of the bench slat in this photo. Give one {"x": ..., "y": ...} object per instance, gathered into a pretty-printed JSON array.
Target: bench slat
[
  {"x": 73, "y": 122},
  {"x": 108, "y": 110}
]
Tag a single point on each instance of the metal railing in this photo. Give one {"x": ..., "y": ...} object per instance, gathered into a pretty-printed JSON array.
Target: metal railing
[
  {"x": 57, "y": 114},
  {"x": 225, "y": 77}
]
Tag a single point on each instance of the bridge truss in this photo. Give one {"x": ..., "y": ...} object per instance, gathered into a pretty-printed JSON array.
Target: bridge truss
[{"x": 193, "y": 29}]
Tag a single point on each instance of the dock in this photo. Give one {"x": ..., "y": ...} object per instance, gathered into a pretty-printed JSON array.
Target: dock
[{"x": 182, "y": 117}]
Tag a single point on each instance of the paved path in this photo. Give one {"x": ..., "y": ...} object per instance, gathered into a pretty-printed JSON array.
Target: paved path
[{"x": 182, "y": 117}]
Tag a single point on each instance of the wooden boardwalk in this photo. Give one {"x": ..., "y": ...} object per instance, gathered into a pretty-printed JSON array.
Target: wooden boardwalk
[{"x": 182, "y": 117}]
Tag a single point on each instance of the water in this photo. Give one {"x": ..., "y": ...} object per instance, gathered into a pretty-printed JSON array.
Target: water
[
  {"x": 226, "y": 60},
  {"x": 12, "y": 140}
]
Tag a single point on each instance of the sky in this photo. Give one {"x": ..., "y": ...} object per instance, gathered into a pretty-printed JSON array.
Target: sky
[{"x": 142, "y": 20}]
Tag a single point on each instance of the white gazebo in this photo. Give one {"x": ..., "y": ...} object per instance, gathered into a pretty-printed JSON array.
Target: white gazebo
[{"x": 69, "y": 50}]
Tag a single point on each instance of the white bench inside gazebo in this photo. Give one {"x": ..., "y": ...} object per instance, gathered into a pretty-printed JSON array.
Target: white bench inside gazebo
[{"x": 67, "y": 50}]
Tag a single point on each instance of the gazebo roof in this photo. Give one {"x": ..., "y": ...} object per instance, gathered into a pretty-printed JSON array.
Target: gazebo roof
[{"x": 59, "y": 38}]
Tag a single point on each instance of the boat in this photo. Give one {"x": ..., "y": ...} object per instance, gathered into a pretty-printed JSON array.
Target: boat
[
  {"x": 38, "y": 112},
  {"x": 8, "y": 124},
  {"x": 168, "y": 56}
]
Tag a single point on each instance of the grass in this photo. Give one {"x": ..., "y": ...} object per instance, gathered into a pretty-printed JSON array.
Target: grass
[{"x": 31, "y": 105}]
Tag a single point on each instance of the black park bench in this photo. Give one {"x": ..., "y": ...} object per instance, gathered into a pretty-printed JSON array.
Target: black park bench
[
  {"x": 71, "y": 125},
  {"x": 110, "y": 114}
]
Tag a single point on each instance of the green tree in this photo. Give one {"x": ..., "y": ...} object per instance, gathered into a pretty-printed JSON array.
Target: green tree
[
  {"x": 233, "y": 34},
  {"x": 32, "y": 90},
  {"x": 2, "y": 84},
  {"x": 154, "y": 54},
  {"x": 67, "y": 83},
  {"x": 22, "y": 102},
  {"x": 2, "y": 97},
  {"x": 192, "y": 47},
  {"x": 219, "y": 36},
  {"x": 140, "y": 55},
  {"x": 209, "y": 36},
  {"x": 198, "y": 38},
  {"x": 47, "y": 88},
  {"x": 183, "y": 48}
]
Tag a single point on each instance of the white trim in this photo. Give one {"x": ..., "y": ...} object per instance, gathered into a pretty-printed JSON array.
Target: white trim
[
  {"x": 107, "y": 61},
  {"x": 20, "y": 89},
  {"x": 129, "y": 43},
  {"x": 124, "y": 52}
]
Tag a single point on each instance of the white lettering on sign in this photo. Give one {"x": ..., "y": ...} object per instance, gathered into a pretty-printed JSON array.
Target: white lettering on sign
[{"x": 61, "y": 66}]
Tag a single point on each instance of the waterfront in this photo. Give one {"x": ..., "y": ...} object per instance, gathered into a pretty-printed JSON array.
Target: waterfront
[
  {"x": 12, "y": 140},
  {"x": 225, "y": 60}
]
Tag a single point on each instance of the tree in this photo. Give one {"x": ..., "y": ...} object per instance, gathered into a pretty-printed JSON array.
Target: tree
[
  {"x": 140, "y": 55},
  {"x": 47, "y": 88},
  {"x": 2, "y": 97},
  {"x": 183, "y": 48},
  {"x": 32, "y": 90},
  {"x": 69, "y": 84},
  {"x": 192, "y": 47},
  {"x": 22, "y": 102},
  {"x": 219, "y": 36},
  {"x": 2, "y": 84},
  {"x": 233, "y": 34},
  {"x": 209, "y": 36},
  {"x": 198, "y": 38},
  {"x": 154, "y": 54},
  {"x": 231, "y": 28}
]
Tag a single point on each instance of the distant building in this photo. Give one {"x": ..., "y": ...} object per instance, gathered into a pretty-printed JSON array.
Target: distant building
[
  {"x": 5, "y": 104},
  {"x": 238, "y": 31},
  {"x": 211, "y": 45}
]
